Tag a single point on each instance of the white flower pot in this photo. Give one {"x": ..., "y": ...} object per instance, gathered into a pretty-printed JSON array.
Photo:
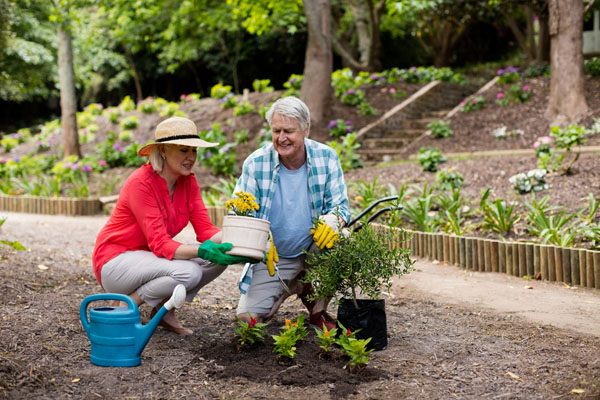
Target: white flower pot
[{"x": 247, "y": 234}]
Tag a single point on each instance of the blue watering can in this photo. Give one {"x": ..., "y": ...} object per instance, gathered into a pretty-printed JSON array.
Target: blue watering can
[{"x": 116, "y": 333}]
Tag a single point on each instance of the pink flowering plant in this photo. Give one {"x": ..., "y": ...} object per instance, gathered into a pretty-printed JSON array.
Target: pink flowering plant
[
  {"x": 542, "y": 146},
  {"x": 473, "y": 103},
  {"x": 250, "y": 332},
  {"x": 502, "y": 100},
  {"x": 519, "y": 93},
  {"x": 508, "y": 75}
]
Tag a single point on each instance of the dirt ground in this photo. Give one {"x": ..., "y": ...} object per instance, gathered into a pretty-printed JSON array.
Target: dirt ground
[{"x": 452, "y": 334}]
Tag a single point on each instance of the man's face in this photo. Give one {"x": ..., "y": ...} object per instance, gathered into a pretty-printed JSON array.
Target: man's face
[{"x": 288, "y": 138}]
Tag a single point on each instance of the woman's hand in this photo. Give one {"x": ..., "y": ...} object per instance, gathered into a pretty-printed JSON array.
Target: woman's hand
[{"x": 215, "y": 253}]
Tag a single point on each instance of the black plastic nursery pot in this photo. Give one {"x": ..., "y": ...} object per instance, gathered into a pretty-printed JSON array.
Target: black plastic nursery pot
[{"x": 369, "y": 318}]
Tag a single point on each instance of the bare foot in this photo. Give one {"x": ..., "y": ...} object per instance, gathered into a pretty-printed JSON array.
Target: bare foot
[{"x": 171, "y": 323}]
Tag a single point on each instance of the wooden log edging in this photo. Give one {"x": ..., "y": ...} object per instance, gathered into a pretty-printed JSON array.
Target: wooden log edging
[
  {"x": 50, "y": 205},
  {"x": 548, "y": 262}
]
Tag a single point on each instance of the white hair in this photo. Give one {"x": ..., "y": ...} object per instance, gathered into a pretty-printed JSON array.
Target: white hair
[{"x": 290, "y": 107}]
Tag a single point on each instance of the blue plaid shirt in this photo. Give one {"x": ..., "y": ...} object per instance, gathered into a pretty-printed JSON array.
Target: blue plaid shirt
[{"x": 326, "y": 184}]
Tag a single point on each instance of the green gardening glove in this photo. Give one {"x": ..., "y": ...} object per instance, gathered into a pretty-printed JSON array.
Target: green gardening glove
[{"x": 215, "y": 253}]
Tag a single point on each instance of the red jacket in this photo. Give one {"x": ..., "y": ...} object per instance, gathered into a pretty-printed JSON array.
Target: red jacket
[{"x": 145, "y": 218}]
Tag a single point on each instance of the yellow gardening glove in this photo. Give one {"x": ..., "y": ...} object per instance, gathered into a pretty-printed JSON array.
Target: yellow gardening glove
[
  {"x": 325, "y": 231},
  {"x": 271, "y": 256}
]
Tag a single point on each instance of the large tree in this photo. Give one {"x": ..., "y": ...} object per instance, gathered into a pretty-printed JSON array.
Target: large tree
[
  {"x": 567, "y": 102},
  {"x": 66, "y": 78},
  {"x": 356, "y": 32},
  {"x": 318, "y": 62}
]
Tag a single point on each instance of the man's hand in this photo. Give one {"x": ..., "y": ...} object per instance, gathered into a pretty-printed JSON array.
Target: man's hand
[
  {"x": 215, "y": 253},
  {"x": 325, "y": 231},
  {"x": 271, "y": 256}
]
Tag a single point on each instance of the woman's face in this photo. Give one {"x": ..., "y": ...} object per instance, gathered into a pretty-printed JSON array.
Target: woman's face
[
  {"x": 179, "y": 160},
  {"x": 288, "y": 138}
]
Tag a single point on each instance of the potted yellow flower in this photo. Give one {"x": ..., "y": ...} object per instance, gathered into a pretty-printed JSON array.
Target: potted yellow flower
[{"x": 249, "y": 235}]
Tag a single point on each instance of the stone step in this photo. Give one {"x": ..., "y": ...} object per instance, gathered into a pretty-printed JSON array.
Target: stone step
[
  {"x": 418, "y": 123},
  {"x": 385, "y": 143},
  {"x": 395, "y": 133},
  {"x": 378, "y": 155},
  {"x": 439, "y": 114}
]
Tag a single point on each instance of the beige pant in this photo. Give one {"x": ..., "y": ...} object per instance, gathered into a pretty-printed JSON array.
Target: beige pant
[{"x": 154, "y": 278}]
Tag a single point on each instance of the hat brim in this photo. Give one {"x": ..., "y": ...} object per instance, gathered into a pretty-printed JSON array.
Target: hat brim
[{"x": 146, "y": 150}]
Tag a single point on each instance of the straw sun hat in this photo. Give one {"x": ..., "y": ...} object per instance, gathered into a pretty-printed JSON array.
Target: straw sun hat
[{"x": 175, "y": 130}]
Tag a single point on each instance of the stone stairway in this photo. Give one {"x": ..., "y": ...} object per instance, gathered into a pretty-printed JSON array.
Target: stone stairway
[{"x": 382, "y": 140}]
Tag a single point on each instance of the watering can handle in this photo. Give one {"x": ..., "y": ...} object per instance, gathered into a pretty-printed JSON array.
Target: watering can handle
[{"x": 101, "y": 296}]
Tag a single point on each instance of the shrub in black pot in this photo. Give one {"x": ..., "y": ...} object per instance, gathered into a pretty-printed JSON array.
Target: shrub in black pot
[{"x": 361, "y": 264}]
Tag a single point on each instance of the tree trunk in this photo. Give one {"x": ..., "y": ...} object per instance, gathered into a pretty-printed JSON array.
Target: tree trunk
[
  {"x": 136, "y": 78},
  {"x": 567, "y": 103},
  {"x": 543, "y": 49},
  {"x": 68, "y": 100},
  {"x": 318, "y": 62}
]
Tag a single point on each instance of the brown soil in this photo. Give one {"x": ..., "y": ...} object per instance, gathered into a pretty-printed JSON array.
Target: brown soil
[{"x": 450, "y": 334}]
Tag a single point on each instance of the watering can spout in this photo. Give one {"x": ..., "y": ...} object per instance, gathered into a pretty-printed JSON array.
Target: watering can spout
[{"x": 145, "y": 331}]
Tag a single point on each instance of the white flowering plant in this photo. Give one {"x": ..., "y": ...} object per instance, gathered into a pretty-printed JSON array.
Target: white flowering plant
[{"x": 532, "y": 180}]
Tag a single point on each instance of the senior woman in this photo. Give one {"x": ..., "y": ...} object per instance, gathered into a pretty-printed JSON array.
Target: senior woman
[{"x": 135, "y": 253}]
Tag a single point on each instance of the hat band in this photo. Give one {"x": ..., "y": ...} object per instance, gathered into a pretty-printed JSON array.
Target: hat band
[{"x": 177, "y": 137}]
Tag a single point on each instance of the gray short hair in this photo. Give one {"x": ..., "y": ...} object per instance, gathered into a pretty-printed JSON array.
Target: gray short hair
[
  {"x": 156, "y": 160},
  {"x": 290, "y": 107}
]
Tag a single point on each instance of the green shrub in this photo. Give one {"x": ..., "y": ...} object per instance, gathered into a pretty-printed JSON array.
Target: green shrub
[
  {"x": 365, "y": 108},
  {"x": 130, "y": 122},
  {"x": 242, "y": 108},
  {"x": 147, "y": 106},
  {"x": 536, "y": 69},
  {"x": 520, "y": 93},
  {"x": 219, "y": 91},
  {"x": 449, "y": 180},
  {"x": 228, "y": 101},
  {"x": 430, "y": 158},
  {"x": 127, "y": 104},
  {"x": 345, "y": 149},
  {"x": 592, "y": 66},
  {"x": 293, "y": 85},
  {"x": 262, "y": 85},
  {"x": 339, "y": 127},
  {"x": 508, "y": 75},
  {"x": 440, "y": 129},
  {"x": 353, "y": 97}
]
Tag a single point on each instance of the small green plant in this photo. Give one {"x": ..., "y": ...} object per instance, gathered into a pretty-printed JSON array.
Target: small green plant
[
  {"x": 449, "y": 179},
  {"x": 592, "y": 66},
  {"x": 250, "y": 332},
  {"x": 289, "y": 335},
  {"x": 473, "y": 103},
  {"x": 130, "y": 122},
  {"x": 339, "y": 127},
  {"x": 418, "y": 211},
  {"x": 228, "y": 101},
  {"x": 508, "y": 75},
  {"x": 357, "y": 351},
  {"x": 430, "y": 159},
  {"x": 242, "y": 108},
  {"x": 536, "y": 69},
  {"x": 440, "y": 129},
  {"x": 127, "y": 104},
  {"x": 534, "y": 179},
  {"x": 125, "y": 136},
  {"x": 147, "y": 106},
  {"x": 550, "y": 227},
  {"x": 451, "y": 217},
  {"x": 498, "y": 216},
  {"x": 14, "y": 244},
  {"x": 519, "y": 93},
  {"x": 241, "y": 136},
  {"x": 566, "y": 139},
  {"x": 262, "y": 85},
  {"x": 219, "y": 91},
  {"x": 346, "y": 150},
  {"x": 293, "y": 85},
  {"x": 263, "y": 108},
  {"x": 353, "y": 97},
  {"x": 327, "y": 338},
  {"x": 365, "y": 108},
  {"x": 113, "y": 115}
]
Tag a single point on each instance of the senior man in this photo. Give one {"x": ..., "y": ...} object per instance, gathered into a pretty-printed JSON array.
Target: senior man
[{"x": 299, "y": 186}]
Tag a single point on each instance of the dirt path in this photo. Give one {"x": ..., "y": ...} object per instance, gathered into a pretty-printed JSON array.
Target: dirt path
[{"x": 544, "y": 303}]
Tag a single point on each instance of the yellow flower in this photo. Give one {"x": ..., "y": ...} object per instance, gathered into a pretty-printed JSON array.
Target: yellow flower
[{"x": 243, "y": 204}]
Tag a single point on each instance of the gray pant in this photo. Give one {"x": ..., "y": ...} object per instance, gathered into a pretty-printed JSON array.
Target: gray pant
[{"x": 154, "y": 278}]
